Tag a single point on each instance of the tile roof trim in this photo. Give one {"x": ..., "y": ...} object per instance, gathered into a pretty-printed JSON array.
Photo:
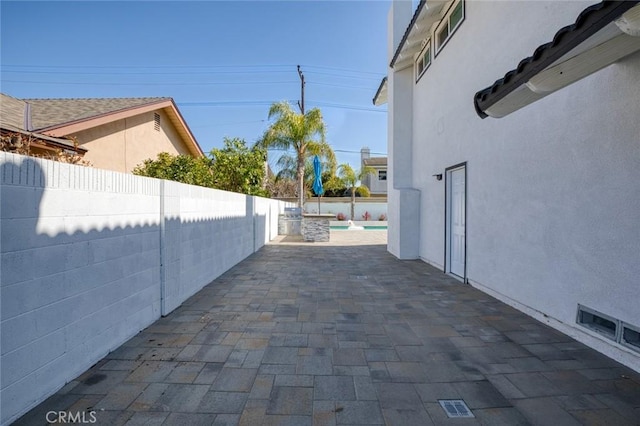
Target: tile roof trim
[
  {"x": 589, "y": 21},
  {"x": 383, "y": 85}
]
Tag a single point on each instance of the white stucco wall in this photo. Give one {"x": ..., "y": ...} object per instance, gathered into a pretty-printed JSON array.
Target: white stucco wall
[
  {"x": 80, "y": 263},
  {"x": 403, "y": 233},
  {"x": 552, "y": 189}
]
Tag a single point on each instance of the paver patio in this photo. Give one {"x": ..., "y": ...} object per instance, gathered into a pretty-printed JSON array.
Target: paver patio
[{"x": 344, "y": 333}]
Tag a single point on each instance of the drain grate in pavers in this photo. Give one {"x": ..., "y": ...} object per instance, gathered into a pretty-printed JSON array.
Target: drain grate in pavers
[{"x": 455, "y": 408}]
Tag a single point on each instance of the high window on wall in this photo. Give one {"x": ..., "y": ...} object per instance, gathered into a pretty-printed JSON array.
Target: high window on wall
[
  {"x": 382, "y": 175},
  {"x": 424, "y": 60},
  {"x": 449, "y": 24}
]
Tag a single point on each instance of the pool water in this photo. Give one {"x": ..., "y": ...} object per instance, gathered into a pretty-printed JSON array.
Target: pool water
[{"x": 366, "y": 227}]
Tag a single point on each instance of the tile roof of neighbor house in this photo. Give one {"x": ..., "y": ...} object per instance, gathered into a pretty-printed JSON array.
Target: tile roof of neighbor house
[
  {"x": 375, "y": 161},
  {"x": 589, "y": 21},
  {"x": 46, "y": 113}
]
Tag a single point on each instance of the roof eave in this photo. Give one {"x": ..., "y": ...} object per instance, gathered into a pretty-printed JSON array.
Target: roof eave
[
  {"x": 554, "y": 65},
  {"x": 167, "y": 104},
  {"x": 417, "y": 30},
  {"x": 380, "y": 97},
  {"x": 186, "y": 133},
  {"x": 56, "y": 142}
]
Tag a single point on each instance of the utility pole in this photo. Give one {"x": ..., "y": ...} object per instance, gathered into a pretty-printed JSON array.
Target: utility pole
[{"x": 301, "y": 102}]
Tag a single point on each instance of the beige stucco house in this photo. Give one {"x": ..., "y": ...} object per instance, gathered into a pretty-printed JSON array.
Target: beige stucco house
[{"x": 114, "y": 133}]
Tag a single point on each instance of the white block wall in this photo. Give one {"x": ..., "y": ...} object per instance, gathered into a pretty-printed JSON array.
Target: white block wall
[
  {"x": 90, "y": 257},
  {"x": 375, "y": 208}
]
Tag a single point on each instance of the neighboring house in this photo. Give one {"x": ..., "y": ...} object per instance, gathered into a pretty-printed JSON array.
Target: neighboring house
[
  {"x": 115, "y": 133},
  {"x": 527, "y": 188},
  {"x": 16, "y": 138},
  {"x": 376, "y": 182}
]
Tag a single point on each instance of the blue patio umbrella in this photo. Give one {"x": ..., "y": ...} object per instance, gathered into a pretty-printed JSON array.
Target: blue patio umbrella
[{"x": 317, "y": 181}]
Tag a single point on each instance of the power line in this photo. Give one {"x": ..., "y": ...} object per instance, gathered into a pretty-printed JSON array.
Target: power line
[
  {"x": 246, "y": 103},
  {"x": 208, "y": 83},
  {"x": 345, "y": 76},
  {"x": 340, "y": 85},
  {"x": 81, "y": 83},
  {"x": 227, "y": 124},
  {"x": 345, "y": 70},
  {"x": 145, "y": 66},
  {"x": 227, "y": 69},
  {"x": 146, "y": 72}
]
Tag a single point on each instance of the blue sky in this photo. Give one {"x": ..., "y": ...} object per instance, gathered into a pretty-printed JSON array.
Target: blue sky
[{"x": 223, "y": 62}]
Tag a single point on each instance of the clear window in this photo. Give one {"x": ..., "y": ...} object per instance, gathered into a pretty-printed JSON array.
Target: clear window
[
  {"x": 456, "y": 17},
  {"x": 382, "y": 175},
  {"x": 424, "y": 60},
  {"x": 449, "y": 24}
]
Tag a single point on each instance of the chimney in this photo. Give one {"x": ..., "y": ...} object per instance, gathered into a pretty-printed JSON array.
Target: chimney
[{"x": 365, "y": 153}]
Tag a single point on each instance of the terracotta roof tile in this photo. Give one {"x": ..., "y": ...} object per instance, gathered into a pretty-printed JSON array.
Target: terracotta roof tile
[{"x": 590, "y": 21}]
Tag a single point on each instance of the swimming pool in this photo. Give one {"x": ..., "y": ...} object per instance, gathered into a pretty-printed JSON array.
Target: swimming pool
[{"x": 366, "y": 227}]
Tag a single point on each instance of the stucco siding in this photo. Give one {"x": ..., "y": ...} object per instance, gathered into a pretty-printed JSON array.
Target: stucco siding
[
  {"x": 123, "y": 144},
  {"x": 552, "y": 189}
]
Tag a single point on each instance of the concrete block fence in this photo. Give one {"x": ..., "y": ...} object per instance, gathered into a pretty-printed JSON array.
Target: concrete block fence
[
  {"x": 375, "y": 206},
  {"x": 90, "y": 257}
]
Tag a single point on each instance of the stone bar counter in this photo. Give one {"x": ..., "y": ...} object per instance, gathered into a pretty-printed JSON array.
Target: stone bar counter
[{"x": 315, "y": 227}]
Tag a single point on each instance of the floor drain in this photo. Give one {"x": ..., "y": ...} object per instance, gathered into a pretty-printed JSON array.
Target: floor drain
[{"x": 455, "y": 408}]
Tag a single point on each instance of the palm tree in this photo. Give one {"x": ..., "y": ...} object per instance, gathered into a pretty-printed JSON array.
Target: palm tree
[
  {"x": 351, "y": 179},
  {"x": 304, "y": 133}
]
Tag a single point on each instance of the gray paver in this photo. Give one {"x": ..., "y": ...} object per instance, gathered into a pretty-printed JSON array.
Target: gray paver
[
  {"x": 291, "y": 401},
  {"x": 191, "y": 419},
  {"x": 335, "y": 388},
  {"x": 359, "y": 412},
  {"x": 314, "y": 365},
  {"x": 234, "y": 380},
  {"x": 401, "y": 396},
  {"x": 223, "y": 402},
  {"x": 343, "y": 333},
  {"x": 402, "y": 417}
]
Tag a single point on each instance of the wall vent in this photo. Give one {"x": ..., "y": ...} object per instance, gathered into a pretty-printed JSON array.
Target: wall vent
[
  {"x": 630, "y": 336},
  {"x": 612, "y": 328},
  {"x": 156, "y": 121},
  {"x": 599, "y": 322}
]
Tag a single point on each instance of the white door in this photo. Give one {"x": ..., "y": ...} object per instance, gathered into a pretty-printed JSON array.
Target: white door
[{"x": 457, "y": 218}]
